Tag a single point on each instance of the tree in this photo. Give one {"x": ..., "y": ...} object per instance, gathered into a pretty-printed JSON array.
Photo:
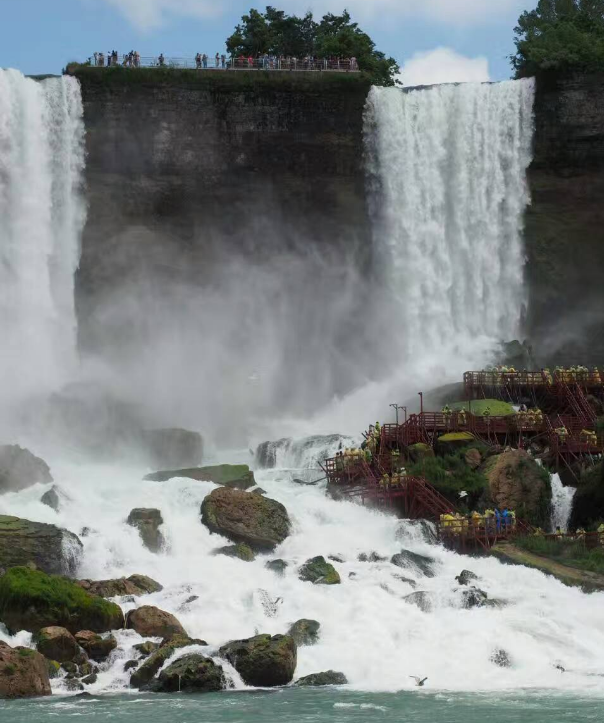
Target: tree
[
  {"x": 336, "y": 36},
  {"x": 560, "y": 34}
]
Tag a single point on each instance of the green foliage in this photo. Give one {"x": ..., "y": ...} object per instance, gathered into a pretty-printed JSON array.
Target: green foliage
[
  {"x": 450, "y": 475},
  {"x": 9, "y": 669},
  {"x": 335, "y": 36},
  {"x": 496, "y": 407},
  {"x": 54, "y": 598},
  {"x": 559, "y": 35},
  {"x": 567, "y": 552}
]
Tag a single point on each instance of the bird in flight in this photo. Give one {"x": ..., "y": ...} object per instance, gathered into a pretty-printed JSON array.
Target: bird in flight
[{"x": 418, "y": 681}]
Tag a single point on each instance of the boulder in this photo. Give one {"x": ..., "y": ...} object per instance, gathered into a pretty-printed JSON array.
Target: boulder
[
  {"x": 258, "y": 521},
  {"x": 23, "y": 673},
  {"x": 371, "y": 557},
  {"x": 304, "y": 632},
  {"x": 277, "y": 566},
  {"x": 190, "y": 674},
  {"x": 501, "y": 658},
  {"x": 31, "y": 600},
  {"x": 148, "y": 522},
  {"x": 465, "y": 577},
  {"x": 146, "y": 648},
  {"x": 151, "y": 622},
  {"x": 237, "y": 476},
  {"x": 473, "y": 458},
  {"x": 134, "y": 585},
  {"x": 318, "y": 571},
  {"x": 57, "y": 643},
  {"x": 130, "y": 665},
  {"x": 420, "y": 451},
  {"x": 473, "y": 598},
  {"x": 264, "y": 660},
  {"x": 90, "y": 679},
  {"x": 51, "y": 498},
  {"x": 19, "y": 469},
  {"x": 266, "y": 452},
  {"x": 329, "y": 677},
  {"x": 49, "y": 548},
  {"x": 97, "y": 647},
  {"x": 172, "y": 448},
  {"x": 517, "y": 482},
  {"x": 54, "y": 669},
  {"x": 241, "y": 551},
  {"x": 422, "y": 599},
  {"x": 419, "y": 564},
  {"x": 159, "y": 655}
]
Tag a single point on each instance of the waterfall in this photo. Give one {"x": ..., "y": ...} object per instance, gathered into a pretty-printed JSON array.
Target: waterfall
[
  {"x": 447, "y": 169},
  {"x": 42, "y": 212},
  {"x": 562, "y": 503}
]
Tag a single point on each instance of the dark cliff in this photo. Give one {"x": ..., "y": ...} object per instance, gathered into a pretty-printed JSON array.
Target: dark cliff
[
  {"x": 246, "y": 186},
  {"x": 565, "y": 222}
]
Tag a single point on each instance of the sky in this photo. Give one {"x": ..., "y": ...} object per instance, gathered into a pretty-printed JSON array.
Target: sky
[{"x": 434, "y": 41}]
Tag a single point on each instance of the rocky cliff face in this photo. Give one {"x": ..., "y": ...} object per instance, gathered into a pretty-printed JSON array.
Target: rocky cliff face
[
  {"x": 249, "y": 189},
  {"x": 565, "y": 223}
]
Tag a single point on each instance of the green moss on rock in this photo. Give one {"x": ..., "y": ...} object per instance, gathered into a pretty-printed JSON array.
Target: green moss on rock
[
  {"x": 238, "y": 476},
  {"x": 320, "y": 572},
  {"x": 31, "y": 600},
  {"x": 263, "y": 661}
]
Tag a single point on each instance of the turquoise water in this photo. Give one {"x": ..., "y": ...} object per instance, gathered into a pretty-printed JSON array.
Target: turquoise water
[{"x": 308, "y": 706}]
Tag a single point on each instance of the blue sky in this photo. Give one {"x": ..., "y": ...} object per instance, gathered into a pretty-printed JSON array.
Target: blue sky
[{"x": 472, "y": 37}]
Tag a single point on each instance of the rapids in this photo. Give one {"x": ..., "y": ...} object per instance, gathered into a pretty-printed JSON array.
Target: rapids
[{"x": 368, "y": 630}]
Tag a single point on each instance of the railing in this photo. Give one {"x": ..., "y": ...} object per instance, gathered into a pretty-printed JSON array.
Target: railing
[{"x": 224, "y": 63}]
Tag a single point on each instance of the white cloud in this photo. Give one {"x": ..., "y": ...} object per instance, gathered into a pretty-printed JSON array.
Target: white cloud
[
  {"x": 151, "y": 14},
  {"x": 443, "y": 65}
]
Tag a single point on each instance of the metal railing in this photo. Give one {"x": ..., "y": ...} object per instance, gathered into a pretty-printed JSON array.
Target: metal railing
[{"x": 348, "y": 65}]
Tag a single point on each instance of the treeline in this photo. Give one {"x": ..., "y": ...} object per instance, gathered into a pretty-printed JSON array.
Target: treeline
[
  {"x": 560, "y": 35},
  {"x": 289, "y": 36}
]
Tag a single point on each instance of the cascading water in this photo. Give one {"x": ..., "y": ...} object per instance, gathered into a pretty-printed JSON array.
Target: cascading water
[
  {"x": 448, "y": 166},
  {"x": 562, "y": 503},
  {"x": 42, "y": 212}
]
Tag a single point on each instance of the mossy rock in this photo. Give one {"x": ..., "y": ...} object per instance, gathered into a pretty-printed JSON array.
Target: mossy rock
[
  {"x": 329, "y": 677},
  {"x": 418, "y": 564},
  {"x": 264, "y": 660},
  {"x": 134, "y": 585},
  {"x": 238, "y": 476},
  {"x": 419, "y": 451},
  {"x": 47, "y": 547},
  {"x": 54, "y": 668},
  {"x": 320, "y": 572},
  {"x": 190, "y": 674},
  {"x": 147, "y": 671},
  {"x": 23, "y": 674},
  {"x": 31, "y": 600},
  {"x": 57, "y": 643},
  {"x": 241, "y": 552},
  {"x": 477, "y": 407},
  {"x": 277, "y": 566},
  {"x": 247, "y": 518},
  {"x": 305, "y": 632}
]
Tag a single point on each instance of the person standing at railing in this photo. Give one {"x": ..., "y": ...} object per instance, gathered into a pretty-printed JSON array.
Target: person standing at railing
[
  {"x": 198, "y": 61},
  {"x": 204, "y": 59},
  {"x": 162, "y": 60},
  {"x": 217, "y": 60},
  {"x": 223, "y": 60}
]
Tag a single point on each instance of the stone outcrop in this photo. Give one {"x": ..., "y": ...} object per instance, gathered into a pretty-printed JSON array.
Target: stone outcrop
[
  {"x": 320, "y": 572},
  {"x": 172, "y": 448},
  {"x": 157, "y": 655},
  {"x": 238, "y": 476},
  {"x": 305, "y": 632},
  {"x": 19, "y": 469},
  {"x": 51, "y": 498},
  {"x": 517, "y": 482},
  {"x": 257, "y": 521},
  {"x": 190, "y": 674},
  {"x": 97, "y": 648},
  {"x": 263, "y": 661},
  {"x": 329, "y": 677},
  {"x": 564, "y": 221},
  {"x": 466, "y": 577},
  {"x": 277, "y": 566},
  {"x": 418, "y": 564},
  {"x": 151, "y": 622},
  {"x": 241, "y": 552},
  {"x": 31, "y": 600},
  {"x": 23, "y": 673},
  {"x": 148, "y": 522},
  {"x": 134, "y": 585},
  {"x": 49, "y": 548},
  {"x": 422, "y": 599},
  {"x": 56, "y": 643}
]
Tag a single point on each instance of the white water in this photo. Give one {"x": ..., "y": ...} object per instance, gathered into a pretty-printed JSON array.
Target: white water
[
  {"x": 42, "y": 215},
  {"x": 368, "y": 631},
  {"x": 562, "y": 503}
]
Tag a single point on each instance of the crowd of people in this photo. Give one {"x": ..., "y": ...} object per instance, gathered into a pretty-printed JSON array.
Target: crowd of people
[
  {"x": 129, "y": 60},
  {"x": 502, "y": 374},
  {"x": 270, "y": 61},
  {"x": 491, "y": 521},
  {"x": 201, "y": 61}
]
